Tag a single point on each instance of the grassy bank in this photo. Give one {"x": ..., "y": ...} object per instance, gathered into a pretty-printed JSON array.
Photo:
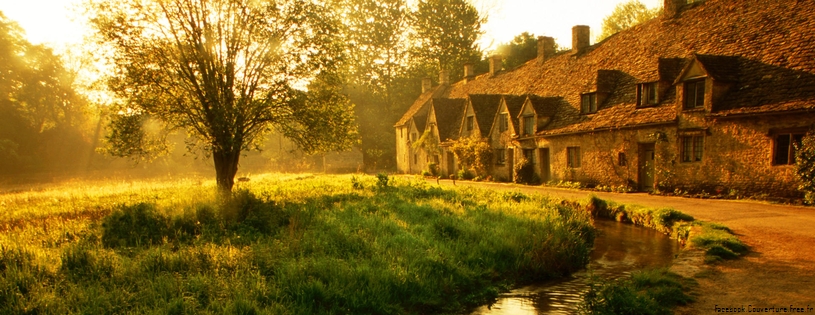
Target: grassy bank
[
  {"x": 715, "y": 239},
  {"x": 281, "y": 245}
]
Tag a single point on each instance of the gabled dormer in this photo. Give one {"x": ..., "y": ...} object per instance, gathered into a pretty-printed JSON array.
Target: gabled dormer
[
  {"x": 505, "y": 123},
  {"x": 479, "y": 115},
  {"x": 704, "y": 80},
  {"x": 535, "y": 114},
  {"x": 656, "y": 87},
  {"x": 597, "y": 91}
]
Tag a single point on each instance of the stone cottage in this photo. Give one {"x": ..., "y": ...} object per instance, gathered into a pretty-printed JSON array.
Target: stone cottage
[{"x": 712, "y": 95}]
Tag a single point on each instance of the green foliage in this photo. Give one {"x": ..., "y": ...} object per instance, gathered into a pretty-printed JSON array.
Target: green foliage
[
  {"x": 519, "y": 50},
  {"x": 136, "y": 225},
  {"x": 445, "y": 32},
  {"x": 626, "y": 15},
  {"x": 382, "y": 180},
  {"x": 525, "y": 172},
  {"x": 645, "y": 292},
  {"x": 719, "y": 243},
  {"x": 409, "y": 249},
  {"x": 473, "y": 154},
  {"x": 228, "y": 76},
  {"x": 805, "y": 166}
]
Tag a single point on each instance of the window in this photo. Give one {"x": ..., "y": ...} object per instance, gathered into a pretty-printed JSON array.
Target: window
[
  {"x": 413, "y": 136},
  {"x": 691, "y": 148},
  {"x": 573, "y": 157},
  {"x": 415, "y": 158},
  {"x": 529, "y": 125},
  {"x": 785, "y": 145},
  {"x": 695, "y": 94},
  {"x": 500, "y": 156},
  {"x": 503, "y": 122},
  {"x": 588, "y": 103},
  {"x": 529, "y": 155},
  {"x": 647, "y": 94},
  {"x": 621, "y": 159},
  {"x": 470, "y": 123}
]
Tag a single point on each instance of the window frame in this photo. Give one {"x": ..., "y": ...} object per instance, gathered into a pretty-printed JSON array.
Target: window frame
[
  {"x": 695, "y": 83},
  {"x": 470, "y": 122},
  {"x": 529, "y": 125},
  {"x": 573, "y": 159},
  {"x": 591, "y": 107},
  {"x": 647, "y": 94},
  {"x": 691, "y": 148},
  {"x": 500, "y": 156},
  {"x": 793, "y": 138},
  {"x": 503, "y": 122}
]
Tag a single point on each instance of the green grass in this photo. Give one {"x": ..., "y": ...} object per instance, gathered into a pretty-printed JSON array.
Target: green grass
[
  {"x": 646, "y": 292},
  {"x": 280, "y": 245}
]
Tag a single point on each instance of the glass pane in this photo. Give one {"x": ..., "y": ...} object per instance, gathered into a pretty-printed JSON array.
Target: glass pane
[
  {"x": 698, "y": 144},
  {"x": 700, "y": 94},
  {"x": 652, "y": 93},
  {"x": 686, "y": 149},
  {"x": 782, "y": 149}
]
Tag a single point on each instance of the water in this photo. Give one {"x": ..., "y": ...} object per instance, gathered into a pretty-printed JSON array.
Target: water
[{"x": 619, "y": 249}]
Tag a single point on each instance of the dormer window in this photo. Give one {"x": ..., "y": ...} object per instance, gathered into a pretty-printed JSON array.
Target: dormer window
[
  {"x": 694, "y": 94},
  {"x": 470, "y": 123},
  {"x": 413, "y": 137},
  {"x": 529, "y": 125},
  {"x": 647, "y": 94},
  {"x": 503, "y": 122},
  {"x": 588, "y": 103}
]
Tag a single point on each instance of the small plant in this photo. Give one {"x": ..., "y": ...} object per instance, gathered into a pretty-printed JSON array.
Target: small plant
[
  {"x": 805, "y": 166},
  {"x": 645, "y": 292},
  {"x": 134, "y": 225},
  {"x": 356, "y": 184},
  {"x": 465, "y": 174},
  {"x": 382, "y": 180}
]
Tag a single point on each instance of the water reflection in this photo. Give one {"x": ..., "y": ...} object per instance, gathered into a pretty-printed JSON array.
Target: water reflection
[{"x": 619, "y": 249}]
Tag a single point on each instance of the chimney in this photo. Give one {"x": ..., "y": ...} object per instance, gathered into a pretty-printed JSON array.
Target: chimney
[
  {"x": 444, "y": 77},
  {"x": 495, "y": 64},
  {"x": 580, "y": 38},
  {"x": 670, "y": 8},
  {"x": 546, "y": 48},
  {"x": 426, "y": 85},
  {"x": 469, "y": 73}
]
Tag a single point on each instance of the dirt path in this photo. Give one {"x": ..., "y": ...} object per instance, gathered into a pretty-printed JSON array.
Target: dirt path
[{"x": 779, "y": 271}]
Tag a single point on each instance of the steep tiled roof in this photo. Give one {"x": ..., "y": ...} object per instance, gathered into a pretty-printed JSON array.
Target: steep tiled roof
[
  {"x": 766, "y": 49},
  {"x": 484, "y": 107},
  {"x": 421, "y": 102},
  {"x": 448, "y": 116},
  {"x": 514, "y": 104}
]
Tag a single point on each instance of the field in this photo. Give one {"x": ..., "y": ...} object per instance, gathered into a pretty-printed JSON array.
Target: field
[{"x": 282, "y": 244}]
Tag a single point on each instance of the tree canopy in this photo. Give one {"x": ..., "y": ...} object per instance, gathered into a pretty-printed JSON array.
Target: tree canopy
[
  {"x": 626, "y": 15},
  {"x": 445, "y": 34},
  {"x": 226, "y": 72}
]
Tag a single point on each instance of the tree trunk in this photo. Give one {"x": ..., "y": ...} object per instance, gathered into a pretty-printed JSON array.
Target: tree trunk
[{"x": 226, "y": 166}]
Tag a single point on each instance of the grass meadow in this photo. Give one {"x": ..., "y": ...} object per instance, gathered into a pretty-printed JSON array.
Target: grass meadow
[{"x": 282, "y": 244}]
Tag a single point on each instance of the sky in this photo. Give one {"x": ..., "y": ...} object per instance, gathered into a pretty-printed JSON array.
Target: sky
[{"x": 58, "y": 23}]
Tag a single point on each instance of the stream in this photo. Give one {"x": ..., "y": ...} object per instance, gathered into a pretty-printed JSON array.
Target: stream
[{"x": 619, "y": 249}]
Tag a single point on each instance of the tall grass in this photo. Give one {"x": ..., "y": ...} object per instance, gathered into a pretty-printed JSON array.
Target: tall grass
[{"x": 279, "y": 245}]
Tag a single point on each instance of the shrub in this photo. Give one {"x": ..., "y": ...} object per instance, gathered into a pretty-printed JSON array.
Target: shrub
[
  {"x": 245, "y": 210},
  {"x": 382, "y": 180},
  {"x": 134, "y": 225},
  {"x": 645, "y": 292},
  {"x": 525, "y": 172},
  {"x": 805, "y": 166},
  {"x": 465, "y": 174}
]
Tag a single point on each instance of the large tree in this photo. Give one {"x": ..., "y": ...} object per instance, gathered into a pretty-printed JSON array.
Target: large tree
[
  {"x": 445, "y": 35},
  {"x": 626, "y": 15},
  {"x": 226, "y": 71}
]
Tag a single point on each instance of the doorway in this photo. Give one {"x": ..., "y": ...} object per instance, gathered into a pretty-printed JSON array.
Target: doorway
[
  {"x": 646, "y": 166},
  {"x": 545, "y": 169}
]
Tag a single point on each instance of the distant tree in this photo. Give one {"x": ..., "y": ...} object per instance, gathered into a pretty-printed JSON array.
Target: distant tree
[
  {"x": 445, "y": 34},
  {"x": 522, "y": 48},
  {"x": 225, "y": 71},
  {"x": 42, "y": 116},
  {"x": 626, "y": 15}
]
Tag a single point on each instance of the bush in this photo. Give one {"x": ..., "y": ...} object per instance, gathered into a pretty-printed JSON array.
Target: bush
[
  {"x": 465, "y": 174},
  {"x": 645, "y": 292},
  {"x": 134, "y": 225},
  {"x": 525, "y": 172},
  {"x": 805, "y": 166},
  {"x": 245, "y": 210}
]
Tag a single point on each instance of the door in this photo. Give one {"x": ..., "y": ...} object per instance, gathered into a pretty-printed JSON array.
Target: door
[
  {"x": 646, "y": 166},
  {"x": 544, "y": 164},
  {"x": 511, "y": 163},
  {"x": 451, "y": 164}
]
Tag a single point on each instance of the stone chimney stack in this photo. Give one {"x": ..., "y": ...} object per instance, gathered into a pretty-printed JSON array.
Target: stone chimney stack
[
  {"x": 444, "y": 77},
  {"x": 670, "y": 8},
  {"x": 546, "y": 48},
  {"x": 495, "y": 64},
  {"x": 580, "y": 38},
  {"x": 469, "y": 73},
  {"x": 426, "y": 85}
]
